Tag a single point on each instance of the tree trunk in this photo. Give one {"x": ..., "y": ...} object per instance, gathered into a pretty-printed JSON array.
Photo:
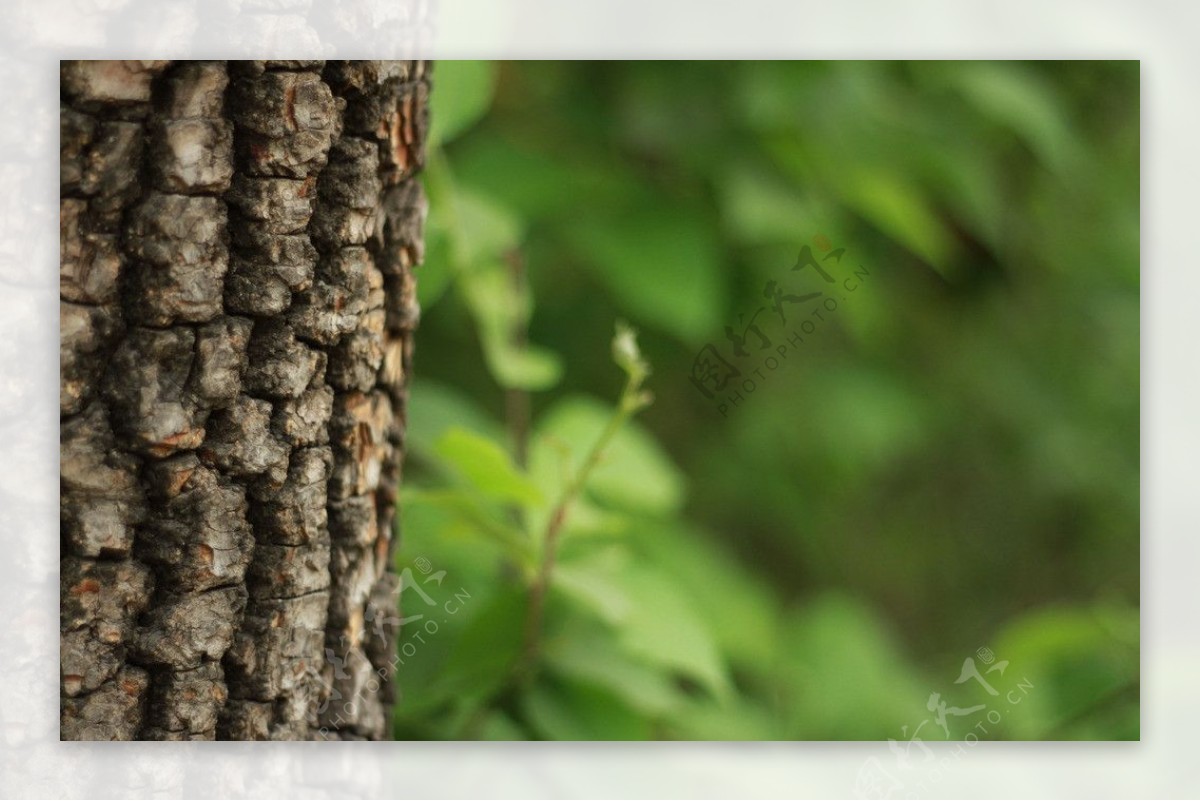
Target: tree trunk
[{"x": 237, "y": 323}]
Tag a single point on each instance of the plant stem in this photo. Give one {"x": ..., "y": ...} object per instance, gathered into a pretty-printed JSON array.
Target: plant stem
[
  {"x": 537, "y": 594},
  {"x": 525, "y": 667},
  {"x": 633, "y": 398},
  {"x": 516, "y": 400}
]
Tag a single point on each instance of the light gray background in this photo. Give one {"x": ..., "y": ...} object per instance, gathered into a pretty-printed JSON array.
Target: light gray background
[{"x": 36, "y": 33}]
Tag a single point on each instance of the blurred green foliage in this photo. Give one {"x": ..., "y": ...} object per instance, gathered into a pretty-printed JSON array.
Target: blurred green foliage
[{"x": 950, "y": 463}]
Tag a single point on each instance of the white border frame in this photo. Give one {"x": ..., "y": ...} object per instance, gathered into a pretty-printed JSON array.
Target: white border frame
[{"x": 36, "y": 33}]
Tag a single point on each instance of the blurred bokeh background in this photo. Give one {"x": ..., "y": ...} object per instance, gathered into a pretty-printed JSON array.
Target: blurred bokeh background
[{"x": 937, "y": 492}]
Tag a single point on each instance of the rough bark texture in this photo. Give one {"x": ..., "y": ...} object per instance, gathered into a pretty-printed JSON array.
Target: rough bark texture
[{"x": 237, "y": 327}]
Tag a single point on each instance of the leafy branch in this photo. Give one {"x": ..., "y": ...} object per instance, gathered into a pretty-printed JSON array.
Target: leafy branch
[{"x": 633, "y": 399}]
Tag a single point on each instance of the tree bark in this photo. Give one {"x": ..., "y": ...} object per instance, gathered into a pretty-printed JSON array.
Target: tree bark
[{"x": 237, "y": 321}]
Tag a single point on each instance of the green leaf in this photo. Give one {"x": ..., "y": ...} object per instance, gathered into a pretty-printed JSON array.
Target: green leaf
[
  {"x": 488, "y": 466},
  {"x": 498, "y": 307},
  {"x": 595, "y": 581},
  {"x": 1016, "y": 97},
  {"x": 436, "y": 272},
  {"x": 484, "y": 230},
  {"x": 1081, "y": 662},
  {"x": 488, "y": 648},
  {"x": 573, "y": 711},
  {"x": 521, "y": 178},
  {"x": 588, "y": 520},
  {"x": 529, "y": 178},
  {"x": 462, "y": 93},
  {"x": 664, "y": 629},
  {"x": 499, "y": 727},
  {"x": 473, "y": 517},
  {"x": 634, "y": 473},
  {"x": 586, "y": 651},
  {"x": 757, "y": 207},
  {"x": 845, "y": 678},
  {"x": 660, "y": 263},
  {"x": 483, "y": 235},
  {"x": 736, "y": 604},
  {"x": 900, "y": 209},
  {"x": 433, "y": 408},
  {"x": 706, "y": 720}
]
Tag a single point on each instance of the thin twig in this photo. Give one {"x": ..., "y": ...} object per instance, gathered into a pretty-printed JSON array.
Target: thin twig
[
  {"x": 633, "y": 398},
  {"x": 537, "y": 593},
  {"x": 516, "y": 399}
]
